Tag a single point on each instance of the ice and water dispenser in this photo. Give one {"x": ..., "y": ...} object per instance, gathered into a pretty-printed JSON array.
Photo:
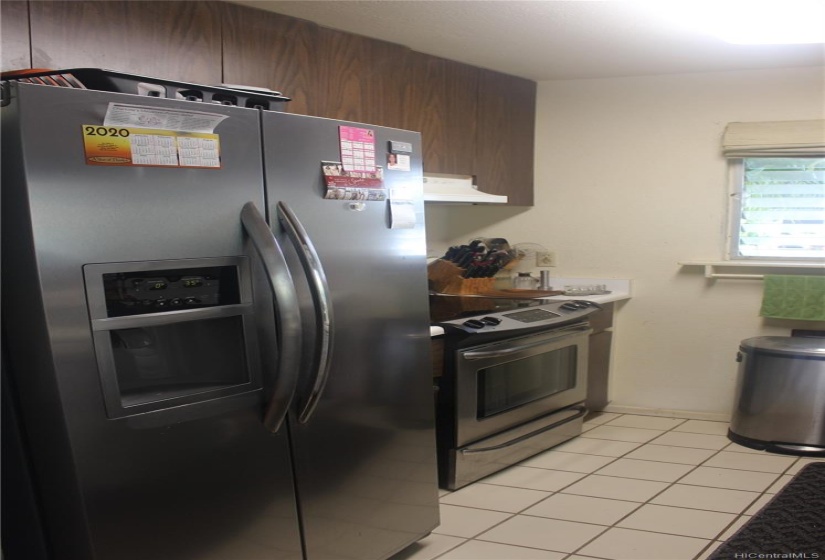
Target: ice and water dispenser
[{"x": 170, "y": 333}]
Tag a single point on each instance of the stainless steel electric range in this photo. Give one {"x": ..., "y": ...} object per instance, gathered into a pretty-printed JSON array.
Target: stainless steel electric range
[{"x": 514, "y": 381}]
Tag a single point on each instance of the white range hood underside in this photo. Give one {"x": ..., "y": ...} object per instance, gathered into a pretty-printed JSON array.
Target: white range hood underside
[{"x": 456, "y": 189}]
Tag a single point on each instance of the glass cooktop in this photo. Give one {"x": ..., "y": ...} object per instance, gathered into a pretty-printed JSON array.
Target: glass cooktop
[{"x": 448, "y": 307}]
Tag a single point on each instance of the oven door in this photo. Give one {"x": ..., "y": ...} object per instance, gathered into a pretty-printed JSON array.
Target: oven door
[{"x": 504, "y": 384}]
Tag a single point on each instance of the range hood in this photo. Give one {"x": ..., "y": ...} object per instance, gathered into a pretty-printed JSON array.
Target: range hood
[{"x": 456, "y": 189}]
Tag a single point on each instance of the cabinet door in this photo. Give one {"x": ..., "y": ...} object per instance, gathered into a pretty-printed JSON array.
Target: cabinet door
[
  {"x": 360, "y": 79},
  {"x": 598, "y": 370},
  {"x": 14, "y": 43},
  {"x": 603, "y": 319},
  {"x": 438, "y": 356},
  {"x": 266, "y": 49},
  {"x": 173, "y": 40},
  {"x": 441, "y": 104},
  {"x": 505, "y": 143}
]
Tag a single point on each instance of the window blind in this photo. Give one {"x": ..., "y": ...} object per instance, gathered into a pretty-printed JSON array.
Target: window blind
[
  {"x": 776, "y": 138},
  {"x": 782, "y": 208}
]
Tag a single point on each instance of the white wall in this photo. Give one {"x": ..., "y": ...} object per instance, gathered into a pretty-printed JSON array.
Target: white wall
[{"x": 629, "y": 181}]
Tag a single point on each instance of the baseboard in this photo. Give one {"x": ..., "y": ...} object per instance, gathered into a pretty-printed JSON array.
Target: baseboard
[{"x": 668, "y": 413}]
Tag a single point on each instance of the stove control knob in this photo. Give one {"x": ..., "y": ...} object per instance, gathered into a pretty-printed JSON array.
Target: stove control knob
[
  {"x": 570, "y": 306},
  {"x": 491, "y": 320},
  {"x": 474, "y": 324}
]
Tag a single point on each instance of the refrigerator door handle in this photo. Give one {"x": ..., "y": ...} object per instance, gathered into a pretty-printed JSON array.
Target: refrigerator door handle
[
  {"x": 288, "y": 314},
  {"x": 322, "y": 299}
]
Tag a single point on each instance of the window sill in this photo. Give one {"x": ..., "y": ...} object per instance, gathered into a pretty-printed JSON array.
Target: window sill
[{"x": 711, "y": 266}]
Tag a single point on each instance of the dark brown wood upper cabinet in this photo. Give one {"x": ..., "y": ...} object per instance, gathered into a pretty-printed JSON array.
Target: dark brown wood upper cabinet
[
  {"x": 14, "y": 35},
  {"x": 442, "y": 105},
  {"x": 173, "y": 40},
  {"x": 269, "y": 50},
  {"x": 505, "y": 142},
  {"x": 472, "y": 121},
  {"x": 360, "y": 79},
  {"x": 327, "y": 73}
]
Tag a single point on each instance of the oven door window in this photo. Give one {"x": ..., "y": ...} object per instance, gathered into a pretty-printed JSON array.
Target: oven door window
[{"x": 509, "y": 385}]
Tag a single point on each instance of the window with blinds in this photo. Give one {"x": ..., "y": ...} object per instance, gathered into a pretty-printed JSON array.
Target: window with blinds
[
  {"x": 781, "y": 212},
  {"x": 778, "y": 190}
]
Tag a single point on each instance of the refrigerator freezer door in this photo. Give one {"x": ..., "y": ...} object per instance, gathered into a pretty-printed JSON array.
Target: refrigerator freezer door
[
  {"x": 365, "y": 459},
  {"x": 195, "y": 479}
]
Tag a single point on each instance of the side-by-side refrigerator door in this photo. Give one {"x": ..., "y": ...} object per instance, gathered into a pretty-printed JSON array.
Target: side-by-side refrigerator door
[
  {"x": 362, "y": 423},
  {"x": 141, "y": 331}
]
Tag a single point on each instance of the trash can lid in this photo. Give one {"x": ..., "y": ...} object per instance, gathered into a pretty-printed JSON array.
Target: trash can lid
[{"x": 792, "y": 345}]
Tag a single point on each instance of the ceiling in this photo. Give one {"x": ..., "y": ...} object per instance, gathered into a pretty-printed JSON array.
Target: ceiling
[{"x": 547, "y": 39}]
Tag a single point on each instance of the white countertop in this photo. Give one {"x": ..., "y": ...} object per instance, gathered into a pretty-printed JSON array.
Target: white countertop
[{"x": 619, "y": 289}]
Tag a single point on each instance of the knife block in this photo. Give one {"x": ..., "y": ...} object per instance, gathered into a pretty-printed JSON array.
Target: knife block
[{"x": 445, "y": 278}]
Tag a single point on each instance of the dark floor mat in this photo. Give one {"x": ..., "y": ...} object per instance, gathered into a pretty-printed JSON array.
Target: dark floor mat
[{"x": 792, "y": 523}]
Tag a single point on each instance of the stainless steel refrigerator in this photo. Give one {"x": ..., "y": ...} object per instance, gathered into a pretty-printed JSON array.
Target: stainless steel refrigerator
[{"x": 210, "y": 360}]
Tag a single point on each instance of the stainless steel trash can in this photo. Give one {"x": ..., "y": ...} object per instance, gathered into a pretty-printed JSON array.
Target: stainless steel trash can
[{"x": 780, "y": 395}]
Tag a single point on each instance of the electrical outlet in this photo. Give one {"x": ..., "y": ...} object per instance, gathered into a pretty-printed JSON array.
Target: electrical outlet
[{"x": 546, "y": 258}]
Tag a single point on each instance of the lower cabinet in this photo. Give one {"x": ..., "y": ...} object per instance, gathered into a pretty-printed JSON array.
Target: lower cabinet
[
  {"x": 438, "y": 356},
  {"x": 598, "y": 359}
]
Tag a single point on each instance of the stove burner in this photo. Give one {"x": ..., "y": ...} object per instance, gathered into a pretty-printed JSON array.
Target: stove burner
[
  {"x": 472, "y": 316},
  {"x": 448, "y": 308},
  {"x": 533, "y": 315}
]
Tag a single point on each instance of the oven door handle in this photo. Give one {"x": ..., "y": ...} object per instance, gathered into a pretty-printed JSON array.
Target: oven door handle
[
  {"x": 502, "y": 352},
  {"x": 582, "y": 410}
]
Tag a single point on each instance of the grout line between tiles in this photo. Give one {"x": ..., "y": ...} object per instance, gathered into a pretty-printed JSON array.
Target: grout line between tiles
[
  {"x": 712, "y": 542},
  {"x": 670, "y": 485},
  {"x": 521, "y": 512},
  {"x": 653, "y": 442},
  {"x": 705, "y": 549},
  {"x": 568, "y": 554},
  {"x": 614, "y": 459},
  {"x": 743, "y": 470},
  {"x": 465, "y": 541},
  {"x": 746, "y": 508},
  {"x": 510, "y": 515},
  {"x": 622, "y": 457},
  {"x": 615, "y": 523},
  {"x": 728, "y": 526},
  {"x": 659, "y": 532},
  {"x": 604, "y": 527}
]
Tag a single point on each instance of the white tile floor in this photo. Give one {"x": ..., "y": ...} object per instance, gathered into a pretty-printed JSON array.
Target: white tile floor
[{"x": 629, "y": 488}]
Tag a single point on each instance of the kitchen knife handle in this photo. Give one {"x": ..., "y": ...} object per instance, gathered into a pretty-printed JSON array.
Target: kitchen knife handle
[
  {"x": 322, "y": 299},
  {"x": 288, "y": 314}
]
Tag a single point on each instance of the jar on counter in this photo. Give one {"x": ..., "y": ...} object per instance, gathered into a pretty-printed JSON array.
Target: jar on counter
[{"x": 525, "y": 282}]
